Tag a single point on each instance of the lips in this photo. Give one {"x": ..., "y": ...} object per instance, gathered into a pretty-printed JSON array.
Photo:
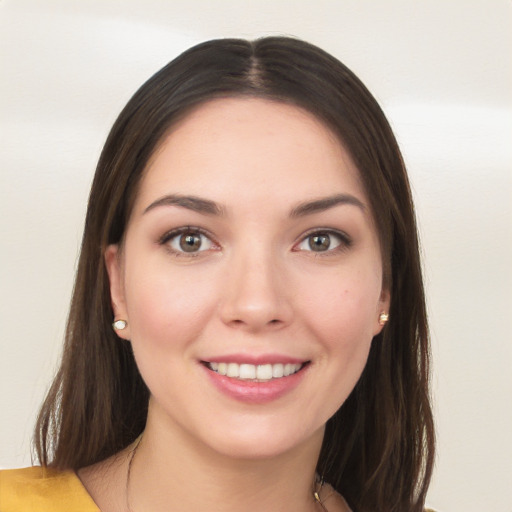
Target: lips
[
  {"x": 255, "y": 372},
  {"x": 256, "y": 379}
]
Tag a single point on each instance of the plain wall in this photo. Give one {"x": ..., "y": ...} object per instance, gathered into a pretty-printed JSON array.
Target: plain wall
[{"x": 442, "y": 71}]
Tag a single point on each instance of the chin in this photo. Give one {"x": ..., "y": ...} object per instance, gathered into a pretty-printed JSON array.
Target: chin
[{"x": 264, "y": 444}]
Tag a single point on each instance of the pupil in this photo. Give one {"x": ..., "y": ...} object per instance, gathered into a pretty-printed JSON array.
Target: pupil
[
  {"x": 190, "y": 243},
  {"x": 319, "y": 242}
]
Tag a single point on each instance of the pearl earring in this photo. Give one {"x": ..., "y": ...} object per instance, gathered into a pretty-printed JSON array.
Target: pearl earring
[
  {"x": 383, "y": 318},
  {"x": 119, "y": 325}
]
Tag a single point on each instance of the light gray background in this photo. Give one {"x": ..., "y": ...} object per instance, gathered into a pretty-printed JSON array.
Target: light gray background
[{"x": 442, "y": 72}]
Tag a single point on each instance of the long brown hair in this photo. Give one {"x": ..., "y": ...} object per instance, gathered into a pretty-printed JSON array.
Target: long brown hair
[{"x": 378, "y": 448}]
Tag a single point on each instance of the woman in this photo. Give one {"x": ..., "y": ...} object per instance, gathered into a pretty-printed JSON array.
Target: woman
[{"x": 248, "y": 326}]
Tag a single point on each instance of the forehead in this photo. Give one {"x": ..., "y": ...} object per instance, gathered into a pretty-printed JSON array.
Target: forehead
[{"x": 245, "y": 147}]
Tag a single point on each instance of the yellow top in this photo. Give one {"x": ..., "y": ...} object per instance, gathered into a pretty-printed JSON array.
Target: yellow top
[{"x": 43, "y": 490}]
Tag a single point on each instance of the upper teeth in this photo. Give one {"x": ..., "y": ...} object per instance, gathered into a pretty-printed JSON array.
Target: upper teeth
[{"x": 258, "y": 372}]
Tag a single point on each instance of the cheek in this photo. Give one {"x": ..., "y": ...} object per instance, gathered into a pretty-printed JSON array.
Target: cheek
[
  {"x": 344, "y": 307},
  {"x": 341, "y": 317},
  {"x": 167, "y": 312},
  {"x": 166, "y": 308}
]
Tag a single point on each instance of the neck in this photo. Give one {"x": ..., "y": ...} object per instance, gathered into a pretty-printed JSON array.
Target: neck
[{"x": 171, "y": 471}]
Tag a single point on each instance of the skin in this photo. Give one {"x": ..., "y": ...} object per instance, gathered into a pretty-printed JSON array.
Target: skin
[{"x": 255, "y": 286}]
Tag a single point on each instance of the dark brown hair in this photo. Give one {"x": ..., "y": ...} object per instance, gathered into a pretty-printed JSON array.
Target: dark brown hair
[{"x": 378, "y": 448}]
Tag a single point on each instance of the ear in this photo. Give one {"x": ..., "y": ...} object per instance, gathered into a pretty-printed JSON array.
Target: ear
[
  {"x": 113, "y": 264},
  {"x": 382, "y": 307}
]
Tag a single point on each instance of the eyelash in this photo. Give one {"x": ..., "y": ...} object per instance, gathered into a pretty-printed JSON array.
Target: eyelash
[{"x": 345, "y": 242}]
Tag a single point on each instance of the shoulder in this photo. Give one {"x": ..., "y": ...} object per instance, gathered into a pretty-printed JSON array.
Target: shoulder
[{"x": 44, "y": 490}]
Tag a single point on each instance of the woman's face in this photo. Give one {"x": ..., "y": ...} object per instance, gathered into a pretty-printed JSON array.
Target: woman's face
[{"x": 250, "y": 277}]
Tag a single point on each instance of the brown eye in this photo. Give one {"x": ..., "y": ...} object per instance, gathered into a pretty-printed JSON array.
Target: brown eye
[
  {"x": 188, "y": 242},
  {"x": 319, "y": 242},
  {"x": 324, "y": 241}
]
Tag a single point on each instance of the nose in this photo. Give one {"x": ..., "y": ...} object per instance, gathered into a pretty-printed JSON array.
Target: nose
[{"x": 256, "y": 295}]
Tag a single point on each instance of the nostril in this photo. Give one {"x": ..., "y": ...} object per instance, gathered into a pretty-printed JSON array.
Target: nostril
[{"x": 237, "y": 322}]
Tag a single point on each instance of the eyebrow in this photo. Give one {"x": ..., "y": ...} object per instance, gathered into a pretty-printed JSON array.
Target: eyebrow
[
  {"x": 208, "y": 207},
  {"x": 325, "y": 203},
  {"x": 196, "y": 204}
]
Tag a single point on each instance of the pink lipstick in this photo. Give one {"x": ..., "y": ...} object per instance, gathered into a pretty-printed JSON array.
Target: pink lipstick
[{"x": 255, "y": 379}]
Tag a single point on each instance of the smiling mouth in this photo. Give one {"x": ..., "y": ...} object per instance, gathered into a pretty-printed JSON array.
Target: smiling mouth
[{"x": 255, "y": 373}]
